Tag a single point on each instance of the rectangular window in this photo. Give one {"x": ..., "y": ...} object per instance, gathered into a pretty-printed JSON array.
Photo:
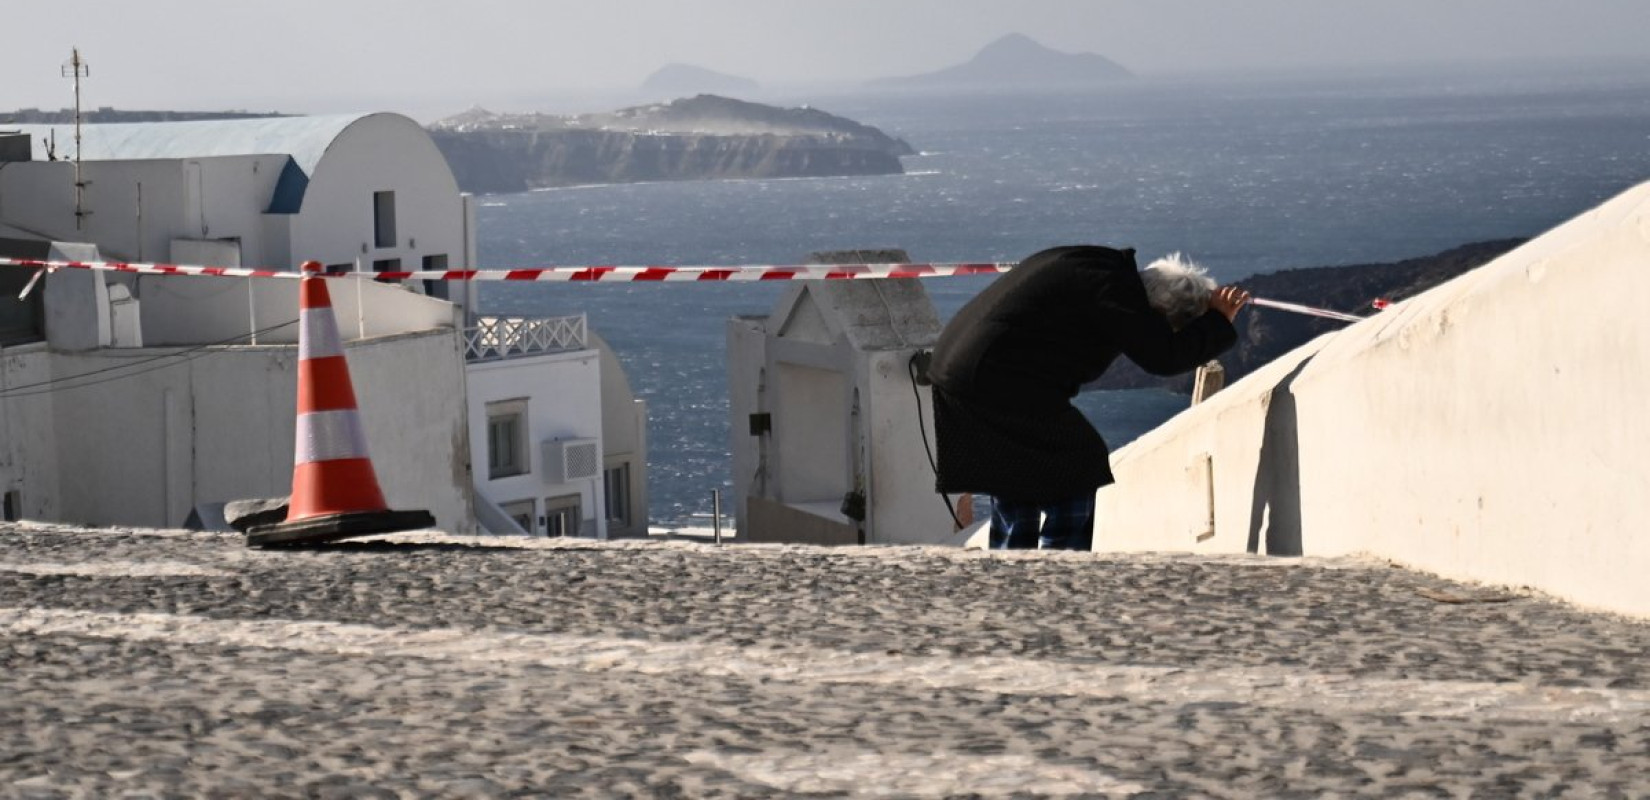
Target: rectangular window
[
  {"x": 339, "y": 269},
  {"x": 387, "y": 265},
  {"x": 507, "y": 438},
  {"x": 617, "y": 483},
  {"x": 562, "y": 515},
  {"x": 21, "y": 320},
  {"x": 441, "y": 289},
  {"x": 521, "y": 511},
  {"x": 383, "y": 219}
]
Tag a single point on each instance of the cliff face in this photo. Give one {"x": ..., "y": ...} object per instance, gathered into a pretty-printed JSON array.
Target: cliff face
[
  {"x": 515, "y": 161},
  {"x": 704, "y": 137},
  {"x": 1264, "y": 334}
]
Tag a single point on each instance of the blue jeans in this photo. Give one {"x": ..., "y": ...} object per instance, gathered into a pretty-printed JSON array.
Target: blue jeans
[{"x": 1058, "y": 525}]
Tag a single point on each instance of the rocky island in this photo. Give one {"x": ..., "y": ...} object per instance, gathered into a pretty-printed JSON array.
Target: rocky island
[
  {"x": 703, "y": 137},
  {"x": 1016, "y": 63}
]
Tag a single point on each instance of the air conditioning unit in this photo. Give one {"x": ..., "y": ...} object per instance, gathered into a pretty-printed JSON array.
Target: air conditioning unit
[{"x": 568, "y": 460}]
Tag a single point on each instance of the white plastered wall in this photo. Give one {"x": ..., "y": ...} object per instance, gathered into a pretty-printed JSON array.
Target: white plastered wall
[
  {"x": 192, "y": 310},
  {"x": 220, "y": 427},
  {"x": 624, "y": 432},
  {"x": 1492, "y": 429},
  {"x": 907, "y": 509},
  {"x": 28, "y": 452},
  {"x": 563, "y": 393},
  {"x": 380, "y": 152}
]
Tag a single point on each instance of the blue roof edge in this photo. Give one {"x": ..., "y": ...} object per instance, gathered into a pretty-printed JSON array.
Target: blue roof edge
[{"x": 288, "y": 197}]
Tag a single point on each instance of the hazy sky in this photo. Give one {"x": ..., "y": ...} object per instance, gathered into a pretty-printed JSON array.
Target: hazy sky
[{"x": 426, "y": 58}]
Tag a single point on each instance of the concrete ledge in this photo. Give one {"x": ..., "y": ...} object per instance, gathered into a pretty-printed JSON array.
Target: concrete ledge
[{"x": 1492, "y": 429}]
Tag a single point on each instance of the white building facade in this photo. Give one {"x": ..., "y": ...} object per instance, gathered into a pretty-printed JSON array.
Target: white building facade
[{"x": 369, "y": 190}]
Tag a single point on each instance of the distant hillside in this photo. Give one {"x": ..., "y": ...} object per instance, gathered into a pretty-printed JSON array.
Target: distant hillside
[
  {"x": 698, "y": 138},
  {"x": 1017, "y": 62},
  {"x": 1264, "y": 334},
  {"x": 686, "y": 80}
]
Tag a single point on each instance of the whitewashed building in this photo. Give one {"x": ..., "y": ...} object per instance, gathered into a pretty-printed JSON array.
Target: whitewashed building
[
  {"x": 359, "y": 193},
  {"x": 827, "y": 436},
  {"x": 345, "y": 190}
]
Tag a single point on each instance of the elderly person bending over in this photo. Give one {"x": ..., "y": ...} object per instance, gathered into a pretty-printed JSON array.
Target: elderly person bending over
[{"x": 1006, "y": 367}]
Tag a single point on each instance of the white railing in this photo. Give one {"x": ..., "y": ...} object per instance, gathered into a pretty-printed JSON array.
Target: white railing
[{"x": 495, "y": 338}]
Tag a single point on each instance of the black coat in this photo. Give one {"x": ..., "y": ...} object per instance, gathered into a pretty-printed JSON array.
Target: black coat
[{"x": 1006, "y": 367}]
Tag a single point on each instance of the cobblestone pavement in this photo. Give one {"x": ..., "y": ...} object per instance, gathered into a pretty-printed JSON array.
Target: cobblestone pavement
[{"x": 166, "y": 664}]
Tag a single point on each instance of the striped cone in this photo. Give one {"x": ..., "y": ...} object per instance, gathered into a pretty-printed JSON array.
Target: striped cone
[{"x": 335, "y": 492}]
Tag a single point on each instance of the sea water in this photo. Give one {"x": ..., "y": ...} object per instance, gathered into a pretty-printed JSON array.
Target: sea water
[{"x": 1244, "y": 176}]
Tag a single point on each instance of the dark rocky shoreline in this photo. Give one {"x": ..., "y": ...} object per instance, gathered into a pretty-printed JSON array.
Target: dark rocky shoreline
[{"x": 1265, "y": 334}]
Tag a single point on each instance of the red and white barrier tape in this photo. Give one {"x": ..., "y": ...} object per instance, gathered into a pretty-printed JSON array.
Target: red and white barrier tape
[
  {"x": 1310, "y": 311},
  {"x": 619, "y": 274},
  {"x": 598, "y": 273}
]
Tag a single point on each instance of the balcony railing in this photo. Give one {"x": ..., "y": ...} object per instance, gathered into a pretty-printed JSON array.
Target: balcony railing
[{"x": 497, "y": 338}]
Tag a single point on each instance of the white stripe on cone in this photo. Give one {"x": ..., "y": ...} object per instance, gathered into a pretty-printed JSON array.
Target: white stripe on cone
[
  {"x": 330, "y": 436},
  {"x": 318, "y": 334}
]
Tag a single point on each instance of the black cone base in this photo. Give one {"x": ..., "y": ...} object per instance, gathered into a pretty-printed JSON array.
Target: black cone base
[{"x": 332, "y": 527}]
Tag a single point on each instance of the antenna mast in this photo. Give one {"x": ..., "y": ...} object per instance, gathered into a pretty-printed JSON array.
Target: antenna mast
[{"x": 77, "y": 69}]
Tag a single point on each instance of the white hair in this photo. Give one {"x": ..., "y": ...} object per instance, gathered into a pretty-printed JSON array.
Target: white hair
[{"x": 1177, "y": 288}]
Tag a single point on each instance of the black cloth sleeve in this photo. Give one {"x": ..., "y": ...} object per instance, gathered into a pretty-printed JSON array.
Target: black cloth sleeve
[{"x": 1146, "y": 338}]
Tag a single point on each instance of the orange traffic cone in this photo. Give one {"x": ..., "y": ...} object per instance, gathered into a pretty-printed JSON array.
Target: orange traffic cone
[{"x": 335, "y": 492}]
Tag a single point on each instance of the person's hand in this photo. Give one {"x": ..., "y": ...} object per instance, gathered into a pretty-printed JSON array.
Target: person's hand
[{"x": 1227, "y": 300}]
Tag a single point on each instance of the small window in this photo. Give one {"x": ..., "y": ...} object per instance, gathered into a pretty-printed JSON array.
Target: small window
[
  {"x": 339, "y": 269},
  {"x": 21, "y": 320},
  {"x": 440, "y": 289},
  {"x": 521, "y": 511},
  {"x": 387, "y": 265},
  {"x": 506, "y": 438},
  {"x": 383, "y": 219},
  {"x": 617, "y": 482},
  {"x": 562, "y": 515}
]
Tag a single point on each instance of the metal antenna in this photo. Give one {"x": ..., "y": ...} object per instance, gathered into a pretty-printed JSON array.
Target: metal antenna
[{"x": 77, "y": 69}]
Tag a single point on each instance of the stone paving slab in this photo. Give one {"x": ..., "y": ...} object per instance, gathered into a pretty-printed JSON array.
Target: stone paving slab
[{"x": 147, "y": 663}]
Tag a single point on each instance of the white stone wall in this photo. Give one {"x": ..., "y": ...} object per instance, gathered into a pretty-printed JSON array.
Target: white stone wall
[
  {"x": 747, "y": 362},
  {"x": 192, "y": 310},
  {"x": 907, "y": 509},
  {"x": 146, "y": 449},
  {"x": 28, "y": 451},
  {"x": 624, "y": 431},
  {"x": 1491, "y": 429}
]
